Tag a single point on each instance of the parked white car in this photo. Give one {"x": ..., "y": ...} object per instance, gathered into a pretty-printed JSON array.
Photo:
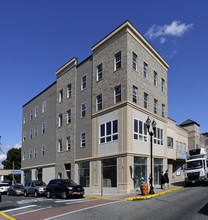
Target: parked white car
[{"x": 4, "y": 187}]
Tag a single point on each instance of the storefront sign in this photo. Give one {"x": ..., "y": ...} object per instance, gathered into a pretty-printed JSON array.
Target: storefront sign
[{"x": 181, "y": 155}]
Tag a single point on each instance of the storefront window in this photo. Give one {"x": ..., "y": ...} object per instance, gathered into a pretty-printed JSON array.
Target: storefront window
[
  {"x": 140, "y": 170},
  {"x": 84, "y": 174},
  {"x": 158, "y": 168},
  {"x": 109, "y": 172},
  {"x": 27, "y": 175}
]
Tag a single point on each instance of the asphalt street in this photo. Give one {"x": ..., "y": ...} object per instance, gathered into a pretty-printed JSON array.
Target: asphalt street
[{"x": 187, "y": 203}]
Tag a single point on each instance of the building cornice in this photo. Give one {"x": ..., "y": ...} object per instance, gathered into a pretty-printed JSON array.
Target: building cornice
[
  {"x": 71, "y": 63},
  {"x": 138, "y": 37}
]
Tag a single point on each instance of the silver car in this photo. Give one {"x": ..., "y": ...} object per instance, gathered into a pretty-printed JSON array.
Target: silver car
[{"x": 35, "y": 188}]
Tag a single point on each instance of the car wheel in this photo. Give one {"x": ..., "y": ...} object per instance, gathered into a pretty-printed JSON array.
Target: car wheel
[
  {"x": 25, "y": 193},
  {"x": 64, "y": 195},
  {"x": 48, "y": 194},
  {"x": 36, "y": 194}
]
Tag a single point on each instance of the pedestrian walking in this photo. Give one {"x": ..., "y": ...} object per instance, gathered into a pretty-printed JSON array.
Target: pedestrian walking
[
  {"x": 162, "y": 180},
  {"x": 166, "y": 179},
  {"x": 150, "y": 179}
]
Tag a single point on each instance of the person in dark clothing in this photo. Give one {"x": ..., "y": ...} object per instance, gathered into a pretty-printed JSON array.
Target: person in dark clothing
[
  {"x": 166, "y": 178},
  {"x": 162, "y": 180}
]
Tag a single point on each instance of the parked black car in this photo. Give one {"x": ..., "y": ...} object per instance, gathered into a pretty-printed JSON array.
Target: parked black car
[
  {"x": 64, "y": 188},
  {"x": 16, "y": 190},
  {"x": 35, "y": 188}
]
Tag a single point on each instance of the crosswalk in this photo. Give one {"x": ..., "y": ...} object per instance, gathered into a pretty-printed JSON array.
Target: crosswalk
[{"x": 36, "y": 204}]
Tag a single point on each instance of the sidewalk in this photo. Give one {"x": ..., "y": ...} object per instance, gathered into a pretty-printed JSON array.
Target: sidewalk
[{"x": 137, "y": 195}]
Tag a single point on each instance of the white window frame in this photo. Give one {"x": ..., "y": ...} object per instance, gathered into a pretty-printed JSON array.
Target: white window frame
[
  {"x": 36, "y": 111},
  {"x": 30, "y": 153},
  {"x": 43, "y": 106},
  {"x": 69, "y": 88},
  {"x": 146, "y": 97},
  {"x": 43, "y": 150},
  {"x": 117, "y": 61},
  {"x": 134, "y": 94},
  {"x": 162, "y": 85},
  {"x": 99, "y": 72},
  {"x": 61, "y": 96},
  {"x": 43, "y": 128},
  {"x": 145, "y": 70},
  {"x": 69, "y": 116},
  {"x": 134, "y": 61},
  {"x": 60, "y": 146},
  {"x": 68, "y": 143},
  {"x": 83, "y": 109},
  {"x": 84, "y": 82},
  {"x": 35, "y": 131},
  {"x": 31, "y": 114},
  {"x": 25, "y": 118},
  {"x": 60, "y": 120},
  {"x": 117, "y": 94},
  {"x": 24, "y": 136},
  {"x": 155, "y": 78},
  {"x": 109, "y": 136},
  {"x": 159, "y": 136},
  {"x": 83, "y": 140},
  {"x": 99, "y": 100},
  {"x": 35, "y": 152},
  {"x": 140, "y": 131},
  {"x": 155, "y": 106},
  {"x": 170, "y": 141}
]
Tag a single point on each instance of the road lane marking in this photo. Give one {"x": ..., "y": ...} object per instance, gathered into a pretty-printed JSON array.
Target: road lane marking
[
  {"x": 7, "y": 216},
  {"x": 95, "y": 206},
  {"x": 10, "y": 210}
]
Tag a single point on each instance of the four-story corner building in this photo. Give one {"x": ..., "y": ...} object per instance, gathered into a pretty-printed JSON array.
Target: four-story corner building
[{"x": 97, "y": 133}]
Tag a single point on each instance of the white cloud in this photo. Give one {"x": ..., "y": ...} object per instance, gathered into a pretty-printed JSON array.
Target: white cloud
[
  {"x": 175, "y": 29},
  {"x": 18, "y": 145},
  {"x": 162, "y": 40}
]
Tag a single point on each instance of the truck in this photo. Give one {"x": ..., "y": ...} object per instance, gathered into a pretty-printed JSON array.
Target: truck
[{"x": 196, "y": 166}]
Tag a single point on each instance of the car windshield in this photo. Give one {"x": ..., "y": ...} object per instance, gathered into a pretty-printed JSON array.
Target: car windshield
[
  {"x": 193, "y": 165},
  {"x": 4, "y": 184},
  {"x": 18, "y": 187},
  {"x": 69, "y": 182},
  {"x": 40, "y": 183}
]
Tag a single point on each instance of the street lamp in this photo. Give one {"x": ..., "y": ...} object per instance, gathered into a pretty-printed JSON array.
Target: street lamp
[{"x": 151, "y": 133}]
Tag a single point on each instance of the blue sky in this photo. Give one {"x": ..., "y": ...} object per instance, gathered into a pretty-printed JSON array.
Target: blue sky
[{"x": 38, "y": 37}]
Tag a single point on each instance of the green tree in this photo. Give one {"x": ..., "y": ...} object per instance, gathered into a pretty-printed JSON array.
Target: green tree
[{"x": 14, "y": 154}]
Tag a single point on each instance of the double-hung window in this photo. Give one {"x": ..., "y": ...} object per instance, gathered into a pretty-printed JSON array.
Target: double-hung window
[
  {"x": 118, "y": 94},
  {"x": 118, "y": 61},
  {"x": 60, "y": 120},
  {"x": 155, "y": 78},
  {"x": 134, "y": 61},
  {"x": 155, "y": 106},
  {"x": 31, "y": 114},
  {"x": 68, "y": 143},
  {"x": 140, "y": 130},
  {"x": 84, "y": 82},
  {"x": 25, "y": 118},
  {"x": 43, "y": 128},
  {"x": 84, "y": 109},
  {"x": 43, "y": 151},
  {"x": 170, "y": 142},
  {"x": 60, "y": 147},
  {"x": 163, "y": 85},
  {"x": 145, "y": 70},
  {"x": 30, "y": 153},
  {"x": 31, "y": 133},
  {"x": 69, "y": 116},
  {"x": 145, "y": 100},
  {"x": 134, "y": 94},
  {"x": 99, "y": 102},
  {"x": 61, "y": 96},
  {"x": 35, "y": 152},
  {"x": 99, "y": 72},
  {"x": 36, "y": 111},
  {"x": 24, "y": 136},
  {"x": 163, "y": 110},
  {"x": 43, "y": 106},
  {"x": 35, "y": 131},
  {"x": 83, "y": 139},
  {"x": 69, "y": 91}
]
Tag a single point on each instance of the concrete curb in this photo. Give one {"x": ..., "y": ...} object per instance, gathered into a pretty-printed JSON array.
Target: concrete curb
[{"x": 138, "y": 197}]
